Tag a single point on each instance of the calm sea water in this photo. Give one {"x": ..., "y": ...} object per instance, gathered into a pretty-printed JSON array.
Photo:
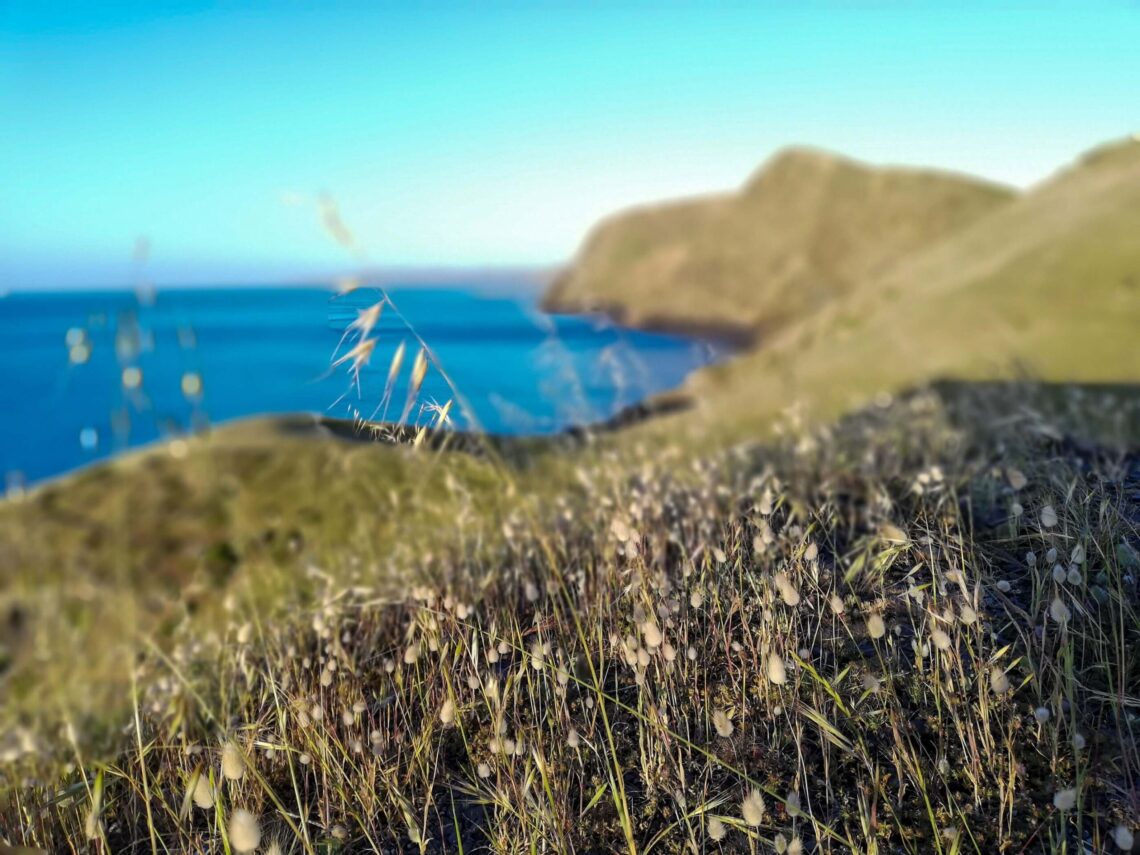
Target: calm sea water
[{"x": 87, "y": 374}]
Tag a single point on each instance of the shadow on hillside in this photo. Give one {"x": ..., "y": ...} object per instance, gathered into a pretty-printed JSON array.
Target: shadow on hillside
[
  {"x": 1084, "y": 414},
  {"x": 386, "y": 433},
  {"x": 1077, "y": 415}
]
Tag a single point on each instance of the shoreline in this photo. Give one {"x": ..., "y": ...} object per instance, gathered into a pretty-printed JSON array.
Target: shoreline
[
  {"x": 257, "y": 429},
  {"x": 601, "y": 408},
  {"x": 738, "y": 337}
]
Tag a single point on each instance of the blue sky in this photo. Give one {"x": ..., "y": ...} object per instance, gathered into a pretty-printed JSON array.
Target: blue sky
[{"x": 482, "y": 134}]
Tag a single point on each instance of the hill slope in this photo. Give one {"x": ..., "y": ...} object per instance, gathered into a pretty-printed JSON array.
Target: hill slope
[
  {"x": 807, "y": 228},
  {"x": 1047, "y": 287}
]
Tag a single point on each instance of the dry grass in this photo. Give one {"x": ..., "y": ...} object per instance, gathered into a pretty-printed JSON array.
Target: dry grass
[
  {"x": 808, "y": 229},
  {"x": 676, "y": 638},
  {"x": 678, "y": 654},
  {"x": 889, "y": 278}
]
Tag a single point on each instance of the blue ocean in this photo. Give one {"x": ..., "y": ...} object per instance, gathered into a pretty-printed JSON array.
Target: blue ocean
[{"x": 90, "y": 374}]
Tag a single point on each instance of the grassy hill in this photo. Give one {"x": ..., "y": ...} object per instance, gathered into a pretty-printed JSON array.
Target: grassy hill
[
  {"x": 1044, "y": 286},
  {"x": 1047, "y": 286},
  {"x": 807, "y": 228},
  {"x": 801, "y": 610}
]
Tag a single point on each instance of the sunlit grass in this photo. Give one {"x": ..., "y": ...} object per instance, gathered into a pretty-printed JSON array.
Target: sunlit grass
[{"x": 781, "y": 646}]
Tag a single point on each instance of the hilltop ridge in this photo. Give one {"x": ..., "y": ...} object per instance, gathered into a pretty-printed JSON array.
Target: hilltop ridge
[
  {"x": 1046, "y": 287},
  {"x": 807, "y": 227}
]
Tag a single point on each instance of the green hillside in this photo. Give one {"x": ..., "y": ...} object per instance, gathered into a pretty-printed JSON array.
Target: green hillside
[
  {"x": 808, "y": 228},
  {"x": 1046, "y": 287}
]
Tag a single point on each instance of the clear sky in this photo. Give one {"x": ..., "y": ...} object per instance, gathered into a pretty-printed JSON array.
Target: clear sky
[{"x": 472, "y": 134}]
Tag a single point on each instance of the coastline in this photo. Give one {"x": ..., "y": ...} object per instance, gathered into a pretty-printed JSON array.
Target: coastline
[{"x": 739, "y": 337}]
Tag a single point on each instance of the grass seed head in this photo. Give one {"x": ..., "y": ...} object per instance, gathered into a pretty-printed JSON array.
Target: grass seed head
[
  {"x": 651, "y": 633},
  {"x": 203, "y": 793},
  {"x": 999, "y": 682},
  {"x": 722, "y": 724},
  {"x": 233, "y": 763},
  {"x": 447, "y": 712},
  {"x": 1058, "y": 610},
  {"x": 752, "y": 808},
  {"x": 1123, "y": 838},
  {"x": 419, "y": 369},
  {"x": 1065, "y": 799},
  {"x": 776, "y": 671},
  {"x": 875, "y": 626},
  {"x": 788, "y": 592},
  {"x": 244, "y": 831},
  {"x": 792, "y": 803},
  {"x": 717, "y": 830}
]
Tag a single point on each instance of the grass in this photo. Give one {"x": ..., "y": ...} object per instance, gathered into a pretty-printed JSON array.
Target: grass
[
  {"x": 602, "y": 677},
  {"x": 753, "y": 623},
  {"x": 880, "y": 264},
  {"x": 807, "y": 229}
]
